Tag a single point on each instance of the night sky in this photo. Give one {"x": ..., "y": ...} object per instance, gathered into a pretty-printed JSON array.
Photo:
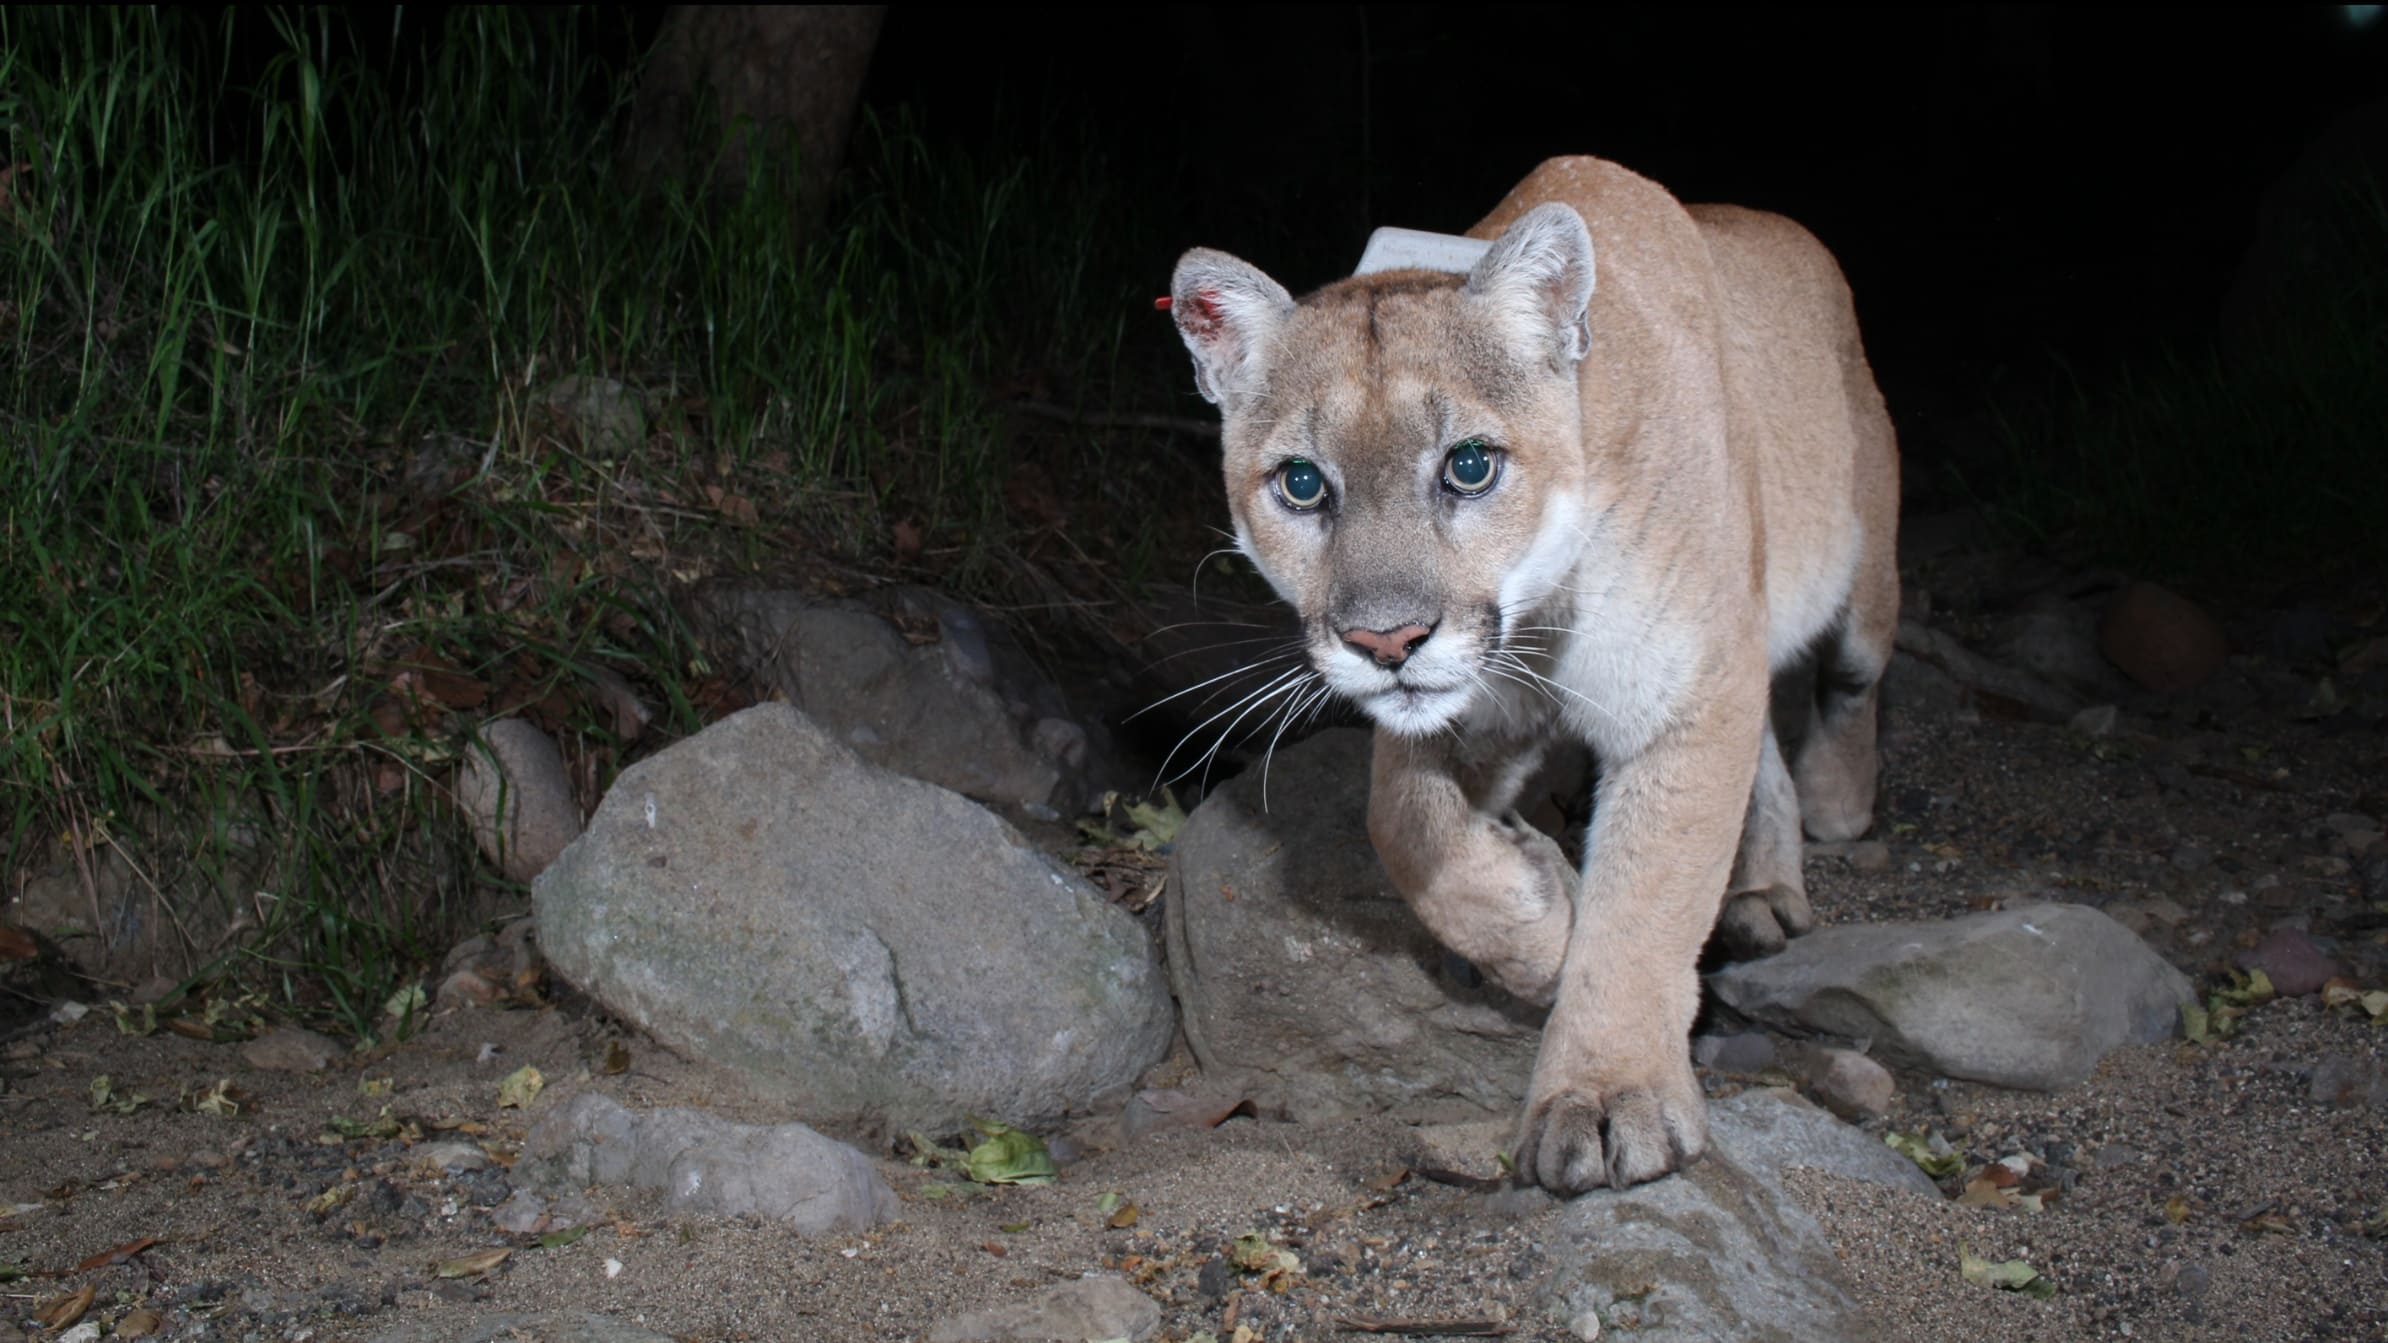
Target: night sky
[{"x": 2004, "y": 187}]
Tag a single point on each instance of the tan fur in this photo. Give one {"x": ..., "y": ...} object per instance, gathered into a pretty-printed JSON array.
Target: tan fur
[{"x": 1700, "y": 496}]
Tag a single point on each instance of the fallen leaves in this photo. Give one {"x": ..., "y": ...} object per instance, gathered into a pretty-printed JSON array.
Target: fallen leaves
[
  {"x": 1932, "y": 1153},
  {"x": 1009, "y": 1156},
  {"x": 1119, "y": 1211},
  {"x": 521, "y": 1087},
  {"x": 60, "y": 1311},
  {"x": 122, "y": 1254},
  {"x": 2013, "y": 1275},
  {"x": 2344, "y": 996},
  {"x": 472, "y": 1265},
  {"x": 1277, "y": 1268},
  {"x": 2220, "y": 1014}
]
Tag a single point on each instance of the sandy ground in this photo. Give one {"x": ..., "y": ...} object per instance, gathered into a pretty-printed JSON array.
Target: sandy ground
[{"x": 2203, "y": 1191}]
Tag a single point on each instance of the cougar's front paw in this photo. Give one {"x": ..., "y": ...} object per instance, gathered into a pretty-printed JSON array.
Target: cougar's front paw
[
  {"x": 1579, "y": 1134},
  {"x": 1757, "y": 923}
]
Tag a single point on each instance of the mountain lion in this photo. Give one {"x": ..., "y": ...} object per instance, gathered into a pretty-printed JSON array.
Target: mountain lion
[{"x": 1514, "y": 505}]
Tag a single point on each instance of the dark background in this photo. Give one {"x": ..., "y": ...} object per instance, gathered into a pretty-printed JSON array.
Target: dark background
[{"x": 2007, "y": 188}]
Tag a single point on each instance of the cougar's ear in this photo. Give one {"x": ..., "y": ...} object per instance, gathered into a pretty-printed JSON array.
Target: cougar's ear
[
  {"x": 1227, "y": 311},
  {"x": 1538, "y": 279}
]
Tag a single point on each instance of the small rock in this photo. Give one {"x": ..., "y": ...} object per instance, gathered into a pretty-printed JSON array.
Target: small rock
[
  {"x": 1100, "y": 1306},
  {"x": 2161, "y": 639},
  {"x": 2292, "y": 962},
  {"x": 1471, "y": 1147},
  {"x": 291, "y": 1049},
  {"x": 2348, "y": 822},
  {"x": 1851, "y": 1085},
  {"x": 2347, "y": 1082},
  {"x": 1740, "y": 1052},
  {"x": 516, "y": 792},
  {"x": 521, "y": 1214},
  {"x": 2358, "y": 843},
  {"x": 1870, "y": 855},
  {"x": 86, "y": 1332},
  {"x": 467, "y": 988},
  {"x": 1585, "y": 1325},
  {"x": 1216, "y": 1275},
  {"x": 703, "y": 1163},
  {"x": 2192, "y": 1279},
  {"x": 2098, "y": 720},
  {"x": 454, "y": 1156},
  {"x": 606, "y": 414},
  {"x": 2117, "y": 1154},
  {"x": 2189, "y": 858}
]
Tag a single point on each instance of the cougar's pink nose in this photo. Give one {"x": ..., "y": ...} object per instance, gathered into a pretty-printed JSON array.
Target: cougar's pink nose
[{"x": 1389, "y": 647}]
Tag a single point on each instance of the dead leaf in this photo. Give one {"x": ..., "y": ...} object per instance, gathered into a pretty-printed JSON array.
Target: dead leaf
[
  {"x": 60, "y": 1311},
  {"x": 2176, "y": 1209},
  {"x": 121, "y": 1254},
  {"x": 2013, "y": 1275},
  {"x": 331, "y": 1198},
  {"x": 520, "y": 1088},
  {"x": 221, "y": 1100},
  {"x": 1384, "y": 1182},
  {"x": 556, "y": 1240},
  {"x": 16, "y": 944},
  {"x": 907, "y": 540},
  {"x": 471, "y": 1265},
  {"x": 1122, "y": 1217},
  {"x": 617, "y": 1058},
  {"x": 139, "y": 1324}
]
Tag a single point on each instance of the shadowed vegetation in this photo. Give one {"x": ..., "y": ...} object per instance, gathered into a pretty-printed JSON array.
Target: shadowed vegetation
[{"x": 301, "y": 476}]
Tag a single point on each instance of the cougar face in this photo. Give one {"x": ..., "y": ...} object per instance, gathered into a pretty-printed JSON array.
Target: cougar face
[{"x": 1404, "y": 458}]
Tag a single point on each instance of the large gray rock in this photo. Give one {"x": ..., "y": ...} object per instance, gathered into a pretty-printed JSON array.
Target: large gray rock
[
  {"x": 1769, "y": 1130},
  {"x": 927, "y": 687},
  {"x": 1719, "y": 1253},
  {"x": 885, "y": 952},
  {"x": 2028, "y": 997},
  {"x": 703, "y": 1163},
  {"x": 1297, "y": 963},
  {"x": 1722, "y": 1251}
]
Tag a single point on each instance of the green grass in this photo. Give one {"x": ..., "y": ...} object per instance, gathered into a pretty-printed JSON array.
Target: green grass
[
  {"x": 273, "y": 433},
  {"x": 2262, "y": 456}
]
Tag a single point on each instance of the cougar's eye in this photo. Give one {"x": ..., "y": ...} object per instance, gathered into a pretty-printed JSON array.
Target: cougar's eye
[
  {"x": 1301, "y": 484},
  {"x": 1471, "y": 467}
]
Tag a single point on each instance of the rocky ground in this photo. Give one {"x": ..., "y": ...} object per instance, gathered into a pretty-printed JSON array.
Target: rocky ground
[{"x": 2234, "y": 1187}]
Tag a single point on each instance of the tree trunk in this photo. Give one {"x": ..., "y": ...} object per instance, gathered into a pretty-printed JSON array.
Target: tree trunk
[{"x": 768, "y": 86}]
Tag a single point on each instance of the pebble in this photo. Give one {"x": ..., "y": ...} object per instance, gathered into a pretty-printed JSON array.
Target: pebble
[
  {"x": 454, "y": 1156},
  {"x": 2346, "y": 1082},
  {"x": 1851, "y": 1085},
  {"x": 2189, "y": 858},
  {"x": 2116, "y": 1154},
  {"x": 1870, "y": 856},
  {"x": 1741, "y": 1052},
  {"x": 2161, "y": 639},
  {"x": 2292, "y": 962},
  {"x": 291, "y": 1049},
  {"x": 2098, "y": 720}
]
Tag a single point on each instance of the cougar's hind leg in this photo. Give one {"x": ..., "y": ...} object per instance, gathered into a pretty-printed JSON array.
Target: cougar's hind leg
[
  {"x": 1767, "y": 899},
  {"x": 1836, "y": 769}
]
